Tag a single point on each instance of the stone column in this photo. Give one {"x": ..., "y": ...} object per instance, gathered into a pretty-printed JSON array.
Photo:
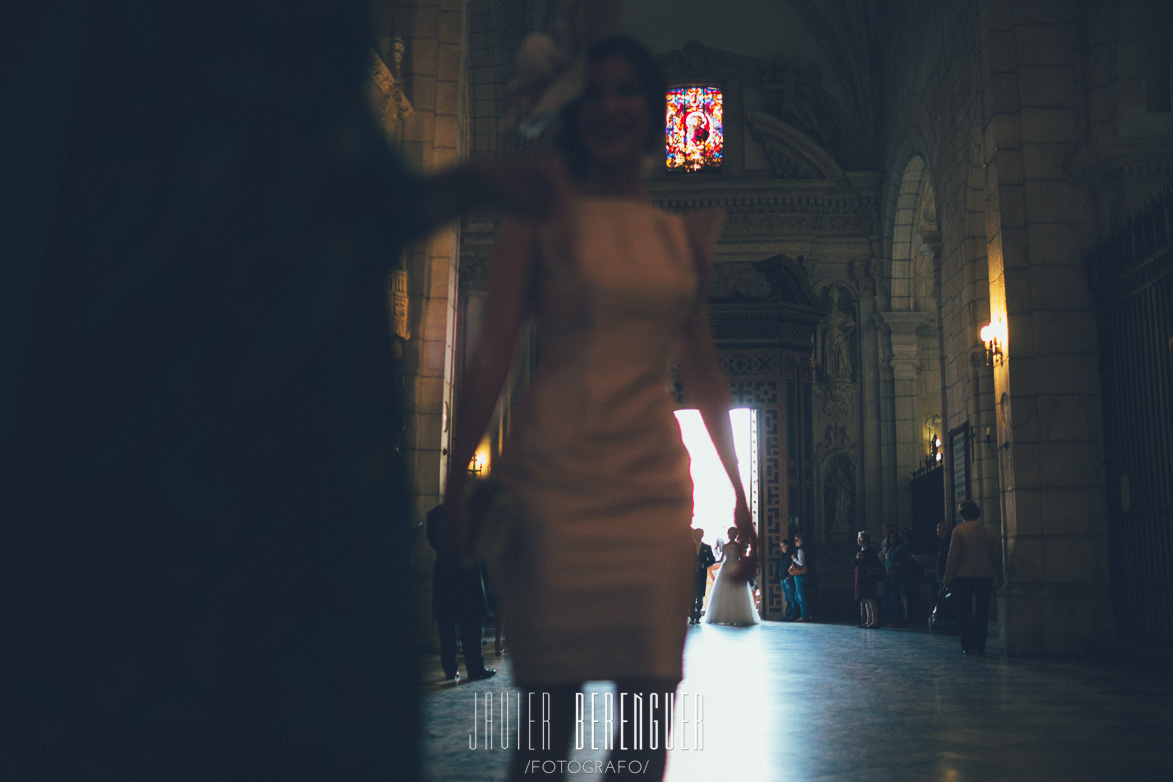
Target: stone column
[
  {"x": 1055, "y": 596},
  {"x": 871, "y": 480},
  {"x": 906, "y": 329}
]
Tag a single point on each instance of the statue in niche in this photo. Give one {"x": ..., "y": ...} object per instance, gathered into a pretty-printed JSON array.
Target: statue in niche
[
  {"x": 837, "y": 346},
  {"x": 838, "y": 496}
]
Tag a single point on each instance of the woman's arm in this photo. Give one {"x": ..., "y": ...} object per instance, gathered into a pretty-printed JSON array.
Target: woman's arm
[
  {"x": 708, "y": 390},
  {"x": 489, "y": 362},
  {"x": 526, "y": 186},
  {"x": 705, "y": 384}
]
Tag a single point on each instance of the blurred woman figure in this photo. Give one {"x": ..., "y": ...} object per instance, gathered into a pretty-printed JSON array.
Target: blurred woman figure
[{"x": 591, "y": 553}]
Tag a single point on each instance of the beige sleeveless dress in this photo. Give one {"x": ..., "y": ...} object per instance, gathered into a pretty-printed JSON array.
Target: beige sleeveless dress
[{"x": 590, "y": 549}]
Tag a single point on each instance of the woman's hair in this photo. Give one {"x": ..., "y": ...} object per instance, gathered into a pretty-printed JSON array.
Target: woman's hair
[
  {"x": 865, "y": 537},
  {"x": 969, "y": 510},
  {"x": 653, "y": 87}
]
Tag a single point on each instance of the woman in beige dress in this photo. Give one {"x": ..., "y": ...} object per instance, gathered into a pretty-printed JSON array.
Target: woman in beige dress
[{"x": 590, "y": 548}]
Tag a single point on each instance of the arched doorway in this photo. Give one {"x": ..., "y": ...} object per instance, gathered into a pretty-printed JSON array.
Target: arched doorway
[{"x": 764, "y": 319}]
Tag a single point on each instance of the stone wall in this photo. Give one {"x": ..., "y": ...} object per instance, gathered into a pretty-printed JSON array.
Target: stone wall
[
  {"x": 994, "y": 100},
  {"x": 433, "y": 136}
]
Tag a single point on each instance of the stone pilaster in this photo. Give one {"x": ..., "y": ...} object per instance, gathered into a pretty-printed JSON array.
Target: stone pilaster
[{"x": 1055, "y": 596}]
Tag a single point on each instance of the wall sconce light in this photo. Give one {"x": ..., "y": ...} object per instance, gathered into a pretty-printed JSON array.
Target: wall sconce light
[
  {"x": 478, "y": 463},
  {"x": 990, "y": 334},
  {"x": 933, "y": 460}
]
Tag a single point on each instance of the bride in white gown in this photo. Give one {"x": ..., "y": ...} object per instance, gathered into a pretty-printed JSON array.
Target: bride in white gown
[{"x": 731, "y": 602}]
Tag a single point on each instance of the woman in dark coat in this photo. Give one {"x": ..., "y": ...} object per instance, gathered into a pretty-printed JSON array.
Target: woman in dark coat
[{"x": 868, "y": 571}]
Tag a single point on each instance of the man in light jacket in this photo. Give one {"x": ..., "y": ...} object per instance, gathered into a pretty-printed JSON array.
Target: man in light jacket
[{"x": 974, "y": 556}]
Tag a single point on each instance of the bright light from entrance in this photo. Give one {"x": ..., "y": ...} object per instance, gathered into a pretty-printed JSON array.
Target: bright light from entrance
[{"x": 712, "y": 496}]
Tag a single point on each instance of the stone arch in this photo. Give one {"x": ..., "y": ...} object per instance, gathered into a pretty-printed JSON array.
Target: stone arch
[
  {"x": 910, "y": 389},
  {"x": 915, "y": 240}
]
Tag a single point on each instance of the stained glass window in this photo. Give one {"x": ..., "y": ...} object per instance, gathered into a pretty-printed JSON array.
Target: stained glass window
[{"x": 695, "y": 128}]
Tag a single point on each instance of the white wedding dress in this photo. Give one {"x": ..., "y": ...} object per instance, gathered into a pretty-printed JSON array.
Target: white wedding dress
[{"x": 731, "y": 602}]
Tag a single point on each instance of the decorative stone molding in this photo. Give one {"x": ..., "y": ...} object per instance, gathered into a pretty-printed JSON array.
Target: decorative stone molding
[
  {"x": 741, "y": 281},
  {"x": 474, "y": 272},
  {"x": 399, "y": 304},
  {"x": 835, "y": 440},
  {"x": 904, "y": 362},
  {"x": 696, "y": 62},
  {"x": 792, "y": 153},
  {"x": 904, "y": 330},
  {"x": 1121, "y": 158},
  {"x": 770, "y": 214},
  {"x": 393, "y": 104},
  {"x": 838, "y": 399},
  {"x": 775, "y": 279}
]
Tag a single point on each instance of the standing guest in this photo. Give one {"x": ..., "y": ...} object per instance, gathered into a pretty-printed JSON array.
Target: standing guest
[
  {"x": 595, "y": 563},
  {"x": 458, "y": 602},
  {"x": 869, "y": 570},
  {"x": 788, "y": 592},
  {"x": 799, "y": 571},
  {"x": 974, "y": 556},
  {"x": 704, "y": 561}
]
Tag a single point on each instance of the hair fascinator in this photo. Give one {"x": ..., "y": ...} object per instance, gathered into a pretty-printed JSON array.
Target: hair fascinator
[{"x": 551, "y": 70}]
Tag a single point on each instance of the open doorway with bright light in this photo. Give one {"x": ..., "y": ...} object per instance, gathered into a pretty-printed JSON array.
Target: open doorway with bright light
[{"x": 712, "y": 496}]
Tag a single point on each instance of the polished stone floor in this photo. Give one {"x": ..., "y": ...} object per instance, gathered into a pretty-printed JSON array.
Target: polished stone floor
[{"x": 832, "y": 703}]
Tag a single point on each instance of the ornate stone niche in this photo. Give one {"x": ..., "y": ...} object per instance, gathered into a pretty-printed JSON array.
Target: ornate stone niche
[{"x": 837, "y": 415}]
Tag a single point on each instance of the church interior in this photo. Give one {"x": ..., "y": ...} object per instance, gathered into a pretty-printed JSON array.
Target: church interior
[{"x": 943, "y": 274}]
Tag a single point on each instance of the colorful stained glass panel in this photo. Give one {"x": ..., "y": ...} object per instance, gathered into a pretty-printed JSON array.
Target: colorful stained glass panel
[{"x": 694, "y": 128}]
